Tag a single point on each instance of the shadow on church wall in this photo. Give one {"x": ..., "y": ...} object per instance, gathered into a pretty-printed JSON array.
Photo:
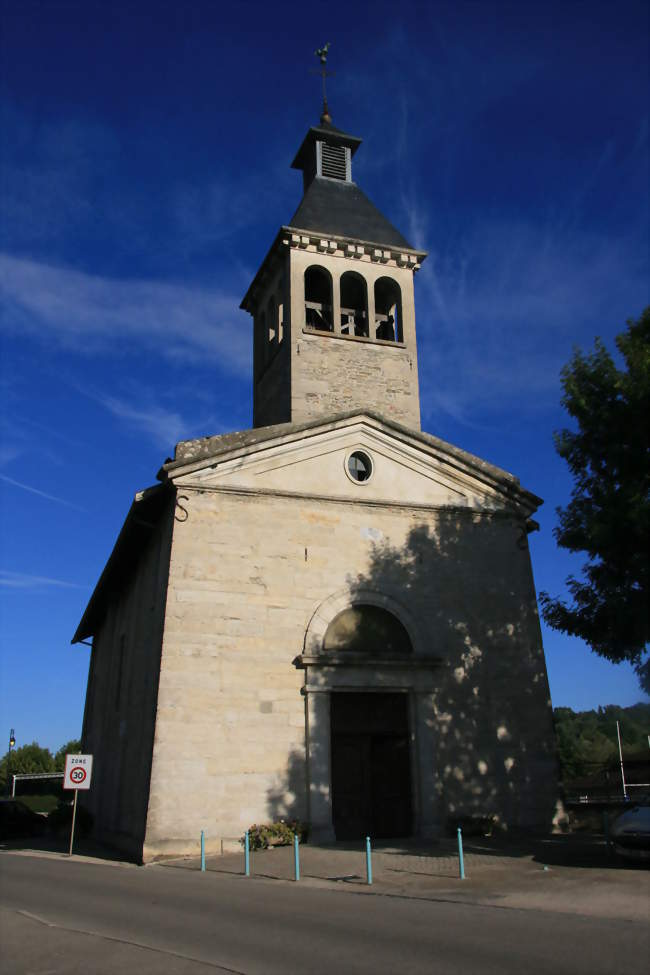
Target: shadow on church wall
[{"x": 487, "y": 714}]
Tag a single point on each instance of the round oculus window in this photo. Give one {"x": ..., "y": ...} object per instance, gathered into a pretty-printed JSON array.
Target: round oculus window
[{"x": 359, "y": 466}]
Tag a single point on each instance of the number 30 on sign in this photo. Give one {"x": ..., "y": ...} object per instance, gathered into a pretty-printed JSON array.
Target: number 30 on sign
[{"x": 78, "y": 771}]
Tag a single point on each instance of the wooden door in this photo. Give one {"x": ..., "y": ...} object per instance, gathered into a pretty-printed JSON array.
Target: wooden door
[{"x": 371, "y": 769}]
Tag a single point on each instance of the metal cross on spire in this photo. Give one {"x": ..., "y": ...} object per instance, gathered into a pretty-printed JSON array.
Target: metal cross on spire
[{"x": 321, "y": 54}]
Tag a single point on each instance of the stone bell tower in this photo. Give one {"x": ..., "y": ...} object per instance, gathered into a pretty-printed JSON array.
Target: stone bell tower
[{"x": 332, "y": 303}]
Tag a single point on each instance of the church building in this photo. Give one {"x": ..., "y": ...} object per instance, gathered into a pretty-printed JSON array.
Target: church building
[{"x": 331, "y": 616}]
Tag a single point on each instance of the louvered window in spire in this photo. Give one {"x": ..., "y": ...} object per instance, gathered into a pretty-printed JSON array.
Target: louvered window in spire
[{"x": 335, "y": 161}]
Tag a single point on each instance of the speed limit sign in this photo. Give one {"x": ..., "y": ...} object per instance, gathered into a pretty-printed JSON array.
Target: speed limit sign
[{"x": 78, "y": 770}]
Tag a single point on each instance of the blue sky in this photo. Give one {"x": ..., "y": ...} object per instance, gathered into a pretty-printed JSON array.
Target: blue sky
[{"x": 145, "y": 171}]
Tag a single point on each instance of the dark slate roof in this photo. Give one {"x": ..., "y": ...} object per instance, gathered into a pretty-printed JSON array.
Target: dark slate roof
[{"x": 332, "y": 206}]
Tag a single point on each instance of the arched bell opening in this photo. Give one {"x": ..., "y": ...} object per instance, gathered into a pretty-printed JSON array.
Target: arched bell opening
[
  {"x": 354, "y": 305},
  {"x": 318, "y": 299},
  {"x": 272, "y": 322},
  {"x": 280, "y": 317},
  {"x": 388, "y": 311}
]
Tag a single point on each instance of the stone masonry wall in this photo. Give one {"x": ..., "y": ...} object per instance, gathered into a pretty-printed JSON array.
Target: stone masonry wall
[
  {"x": 272, "y": 361},
  {"x": 334, "y": 374},
  {"x": 272, "y": 390},
  {"x": 247, "y": 573},
  {"x": 121, "y": 698}
]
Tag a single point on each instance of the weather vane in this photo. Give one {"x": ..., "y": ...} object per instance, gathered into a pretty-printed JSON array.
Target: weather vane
[{"x": 321, "y": 54}]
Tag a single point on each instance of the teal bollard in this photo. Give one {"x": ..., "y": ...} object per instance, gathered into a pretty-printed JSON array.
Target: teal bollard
[
  {"x": 296, "y": 858},
  {"x": 461, "y": 862},
  {"x": 368, "y": 861},
  {"x": 247, "y": 855},
  {"x": 202, "y": 852}
]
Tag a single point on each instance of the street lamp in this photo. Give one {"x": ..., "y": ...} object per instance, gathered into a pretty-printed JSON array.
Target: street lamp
[{"x": 12, "y": 742}]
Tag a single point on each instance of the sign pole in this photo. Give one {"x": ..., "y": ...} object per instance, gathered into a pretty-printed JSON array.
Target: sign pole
[
  {"x": 74, "y": 816},
  {"x": 77, "y": 775},
  {"x": 620, "y": 755}
]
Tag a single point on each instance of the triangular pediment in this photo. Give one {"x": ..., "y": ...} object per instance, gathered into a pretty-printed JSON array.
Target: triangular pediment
[{"x": 408, "y": 468}]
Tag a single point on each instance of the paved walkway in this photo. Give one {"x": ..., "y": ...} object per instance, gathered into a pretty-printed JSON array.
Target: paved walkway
[{"x": 574, "y": 875}]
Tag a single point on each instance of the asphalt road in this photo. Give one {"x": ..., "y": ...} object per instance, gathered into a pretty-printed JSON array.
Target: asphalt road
[{"x": 64, "y": 916}]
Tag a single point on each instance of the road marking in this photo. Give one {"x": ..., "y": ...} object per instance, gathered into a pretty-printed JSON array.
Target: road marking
[
  {"x": 126, "y": 941},
  {"x": 35, "y": 917}
]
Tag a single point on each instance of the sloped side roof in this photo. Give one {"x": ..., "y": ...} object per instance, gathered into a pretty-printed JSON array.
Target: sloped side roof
[
  {"x": 143, "y": 515},
  {"x": 332, "y": 206}
]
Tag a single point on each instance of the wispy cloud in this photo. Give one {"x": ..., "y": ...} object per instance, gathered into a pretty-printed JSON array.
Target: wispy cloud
[
  {"x": 165, "y": 427},
  {"x": 37, "y": 491},
  {"x": 54, "y": 174},
  {"x": 59, "y": 173},
  {"x": 141, "y": 411},
  {"x": 204, "y": 214},
  {"x": 505, "y": 294},
  {"x": 91, "y": 314},
  {"x": 521, "y": 263},
  {"x": 500, "y": 309},
  {"x": 22, "y": 420},
  {"x": 17, "y": 435},
  {"x": 23, "y": 580},
  {"x": 9, "y": 452}
]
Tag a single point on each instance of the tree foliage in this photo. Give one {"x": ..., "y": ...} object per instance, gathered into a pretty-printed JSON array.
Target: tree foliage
[
  {"x": 70, "y": 747},
  {"x": 27, "y": 758},
  {"x": 608, "y": 516},
  {"x": 587, "y": 740},
  {"x": 32, "y": 758}
]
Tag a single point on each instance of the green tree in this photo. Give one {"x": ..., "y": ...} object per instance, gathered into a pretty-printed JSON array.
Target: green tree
[
  {"x": 28, "y": 758},
  {"x": 74, "y": 745},
  {"x": 587, "y": 741},
  {"x": 608, "y": 516}
]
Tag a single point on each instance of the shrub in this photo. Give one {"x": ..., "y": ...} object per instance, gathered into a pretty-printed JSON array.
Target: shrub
[
  {"x": 474, "y": 824},
  {"x": 40, "y": 803},
  {"x": 17, "y": 819},
  {"x": 281, "y": 833}
]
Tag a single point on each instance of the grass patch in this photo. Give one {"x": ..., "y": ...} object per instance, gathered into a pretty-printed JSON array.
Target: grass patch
[{"x": 40, "y": 804}]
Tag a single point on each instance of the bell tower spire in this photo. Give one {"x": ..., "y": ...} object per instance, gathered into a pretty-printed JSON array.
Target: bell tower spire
[
  {"x": 321, "y": 54},
  {"x": 333, "y": 302}
]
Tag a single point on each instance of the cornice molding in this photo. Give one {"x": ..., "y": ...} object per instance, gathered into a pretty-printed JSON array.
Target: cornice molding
[{"x": 351, "y": 248}]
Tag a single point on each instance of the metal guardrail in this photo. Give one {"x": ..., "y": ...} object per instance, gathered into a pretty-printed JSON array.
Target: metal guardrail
[{"x": 22, "y": 776}]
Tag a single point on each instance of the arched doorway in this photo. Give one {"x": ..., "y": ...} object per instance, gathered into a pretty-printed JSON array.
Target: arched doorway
[{"x": 370, "y": 734}]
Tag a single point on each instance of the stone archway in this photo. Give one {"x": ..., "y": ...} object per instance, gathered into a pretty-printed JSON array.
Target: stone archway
[
  {"x": 392, "y": 690},
  {"x": 331, "y": 607}
]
